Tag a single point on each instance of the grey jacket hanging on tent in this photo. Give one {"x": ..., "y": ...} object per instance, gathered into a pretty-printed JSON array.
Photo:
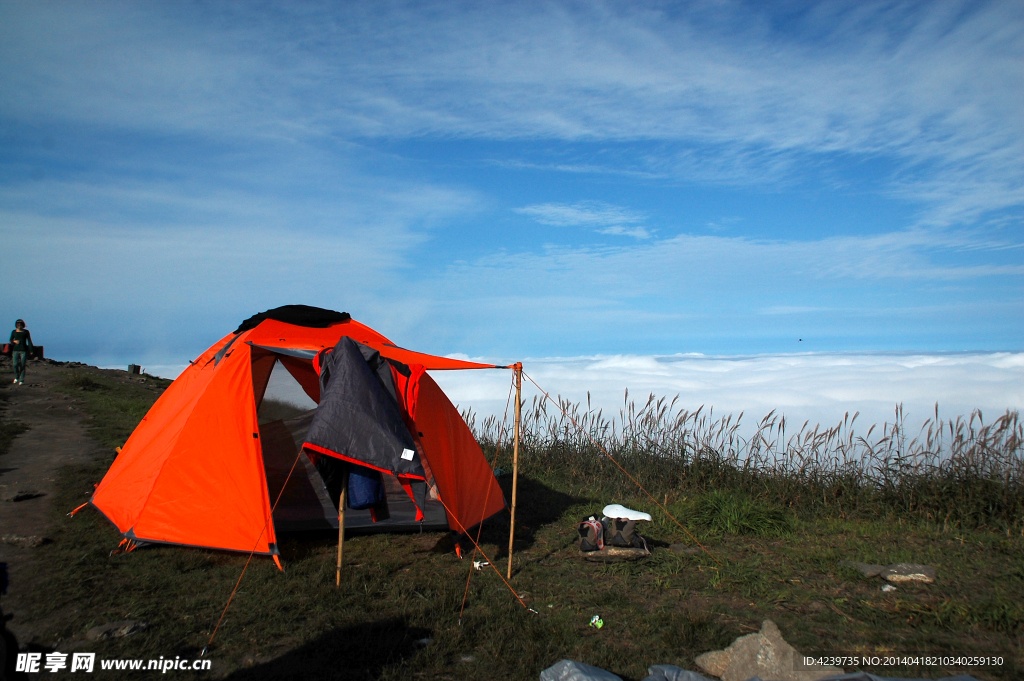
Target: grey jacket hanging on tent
[{"x": 359, "y": 421}]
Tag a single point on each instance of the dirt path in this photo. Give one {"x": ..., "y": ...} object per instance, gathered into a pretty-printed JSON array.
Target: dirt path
[{"x": 56, "y": 437}]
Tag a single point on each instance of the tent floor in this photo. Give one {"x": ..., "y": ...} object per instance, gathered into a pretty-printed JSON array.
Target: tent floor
[{"x": 305, "y": 503}]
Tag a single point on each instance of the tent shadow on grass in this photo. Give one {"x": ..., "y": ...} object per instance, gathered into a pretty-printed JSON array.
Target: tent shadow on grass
[
  {"x": 360, "y": 651},
  {"x": 537, "y": 505}
]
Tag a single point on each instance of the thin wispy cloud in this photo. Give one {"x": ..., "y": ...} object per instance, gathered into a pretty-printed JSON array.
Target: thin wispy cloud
[
  {"x": 602, "y": 217},
  {"x": 934, "y": 89},
  {"x": 176, "y": 262},
  {"x": 714, "y": 261},
  {"x": 619, "y": 230},
  {"x": 898, "y": 290},
  {"x": 580, "y": 168}
]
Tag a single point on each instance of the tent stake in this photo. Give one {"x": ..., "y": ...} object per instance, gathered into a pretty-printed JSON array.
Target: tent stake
[
  {"x": 341, "y": 526},
  {"x": 515, "y": 462}
]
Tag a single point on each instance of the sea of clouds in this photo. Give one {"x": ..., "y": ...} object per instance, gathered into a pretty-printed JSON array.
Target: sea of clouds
[
  {"x": 815, "y": 387},
  {"x": 819, "y": 388}
]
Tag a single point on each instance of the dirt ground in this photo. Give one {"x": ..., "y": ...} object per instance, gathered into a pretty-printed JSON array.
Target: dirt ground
[{"x": 56, "y": 437}]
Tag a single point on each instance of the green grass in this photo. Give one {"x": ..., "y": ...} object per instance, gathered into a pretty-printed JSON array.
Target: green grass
[
  {"x": 723, "y": 512},
  {"x": 116, "y": 402},
  {"x": 667, "y": 609},
  {"x": 773, "y": 557}
]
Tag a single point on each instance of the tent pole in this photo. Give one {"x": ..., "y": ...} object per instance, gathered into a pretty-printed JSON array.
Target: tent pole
[
  {"x": 341, "y": 526},
  {"x": 518, "y": 370}
]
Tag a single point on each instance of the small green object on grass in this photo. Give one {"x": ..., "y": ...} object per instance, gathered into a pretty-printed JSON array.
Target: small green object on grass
[{"x": 596, "y": 621}]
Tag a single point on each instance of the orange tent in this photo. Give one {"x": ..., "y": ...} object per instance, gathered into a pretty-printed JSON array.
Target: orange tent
[{"x": 195, "y": 471}]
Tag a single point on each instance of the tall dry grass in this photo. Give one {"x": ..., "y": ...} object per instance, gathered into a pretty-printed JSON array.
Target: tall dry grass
[{"x": 960, "y": 471}]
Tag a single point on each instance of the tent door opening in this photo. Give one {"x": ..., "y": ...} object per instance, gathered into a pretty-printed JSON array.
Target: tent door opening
[{"x": 285, "y": 410}]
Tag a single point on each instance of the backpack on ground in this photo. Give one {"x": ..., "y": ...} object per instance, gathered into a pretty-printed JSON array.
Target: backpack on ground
[
  {"x": 622, "y": 532},
  {"x": 591, "y": 534}
]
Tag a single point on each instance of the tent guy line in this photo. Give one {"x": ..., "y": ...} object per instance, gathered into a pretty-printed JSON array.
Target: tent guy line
[
  {"x": 249, "y": 559},
  {"x": 341, "y": 530},
  {"x": 341, "y": 535},
  {"x": 480, "y": 526},
  {"x": 490, "y": 564}
]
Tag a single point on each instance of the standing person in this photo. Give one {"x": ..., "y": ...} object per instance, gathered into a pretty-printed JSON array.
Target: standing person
[{"x": 21, "y": 345}]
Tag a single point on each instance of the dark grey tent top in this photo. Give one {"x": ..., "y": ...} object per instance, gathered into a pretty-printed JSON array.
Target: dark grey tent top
[{"x": 299, "y": 315}]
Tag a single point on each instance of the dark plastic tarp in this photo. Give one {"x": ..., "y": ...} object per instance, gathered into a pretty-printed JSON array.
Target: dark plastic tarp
[{"x": 569, "y": 670}]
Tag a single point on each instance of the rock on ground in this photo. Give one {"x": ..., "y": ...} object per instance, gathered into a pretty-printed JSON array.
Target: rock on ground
[
  {"x": 897, "y": 573},
  {"x": 614, "y": 554},
  {"x": 115, "y": 630},
  {"x": 900, "y": 573},
  {"x": 866, "y": 569},
  {"x": 765, "y": 655},
  {"x": 30, "y": 542}
]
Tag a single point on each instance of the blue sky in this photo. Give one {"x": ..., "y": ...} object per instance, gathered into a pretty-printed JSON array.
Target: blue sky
[{"x": 526, "y": 180}]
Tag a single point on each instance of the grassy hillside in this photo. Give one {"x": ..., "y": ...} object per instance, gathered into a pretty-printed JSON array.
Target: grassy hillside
[{"x": 778, "y": 533}]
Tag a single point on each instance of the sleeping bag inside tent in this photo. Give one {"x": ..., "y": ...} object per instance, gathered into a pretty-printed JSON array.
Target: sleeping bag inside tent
[{"x": 201, "y": 470}]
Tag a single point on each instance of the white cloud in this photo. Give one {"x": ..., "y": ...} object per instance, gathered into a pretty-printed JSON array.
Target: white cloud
[
  {"x": 688, "y": 265},
  {"x": 168, "y": 264},
  {"x": 933, "y": 89},
  {"x": 619, "y": 230},
  {"x": 166, "y": 267},
  {"x": 889, "y": 291},
  {"x": 819, "y": 388},
  {"x": 604, "y": 217},
  {"x": 589, "y": 213}
]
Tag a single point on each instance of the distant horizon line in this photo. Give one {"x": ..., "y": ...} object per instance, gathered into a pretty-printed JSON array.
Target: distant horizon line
[
  {"x": 680, "y": 355},
  {"x": 462, "y": 355}
]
